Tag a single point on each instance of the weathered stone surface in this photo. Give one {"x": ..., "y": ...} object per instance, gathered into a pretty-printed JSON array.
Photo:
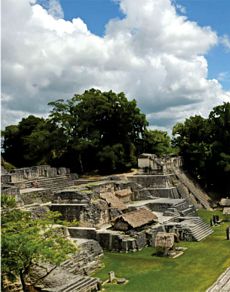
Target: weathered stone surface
[
  {"x": 151, "y": 235},
  {"x": 36, "y": 195},
  {"x": 96, "y": 213},
  {"x": 87, "y": 259},
  {"x": 72, "y": 272},
  {"x": 60, "y": 280},
  {"x": 69, "y": 212},
  {"x": 105, "y": 240},
  {"x": 141, "y": 240},
  {"x": 152, "y": 181},
  {"x": 82, "y": 232},
  {"x": 71, "y": 196}
]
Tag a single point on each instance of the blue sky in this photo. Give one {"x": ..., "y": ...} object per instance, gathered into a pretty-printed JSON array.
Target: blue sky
[
  {"x": 172, "y": 56},
  {"x": 95, "y": 13},
  {"x": 214, "y": 13}
]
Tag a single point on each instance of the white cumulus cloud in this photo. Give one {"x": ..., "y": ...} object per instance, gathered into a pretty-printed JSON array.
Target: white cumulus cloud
[
  {"x": 153, "y": 54},
  {"x": 225, "y": 41}
]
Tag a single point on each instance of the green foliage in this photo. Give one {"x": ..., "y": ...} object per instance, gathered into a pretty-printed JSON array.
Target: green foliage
[
  {"x": 17, "y": 145},
  {"x": 101, "y": 130},
  {"x": 27, "y": 241},
  {"x": 7, "y": 202},
  {"x": 205, "y": 147},
  {"x": 157, "y": 142},
  {"x": 94, "y": 131}
]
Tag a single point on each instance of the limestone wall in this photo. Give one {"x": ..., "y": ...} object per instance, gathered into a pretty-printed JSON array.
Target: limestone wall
[
  {"x": 71, "y": 196},
  {"x": 91, "y": 214},
  {"x": 111, "y": 241},
  {"x": 151, "y": 181},
  {"x": 149, "y": 193},
  {"x": 69, "y": 212},
  {"x": 151, "y": 164},
  {"x": 29, "y": 173},
  {"x": 36, "y": 196},
  {"x": 82, "y": 232},
  {"x": 122, "y": 243},
  {"x": 95, "y": 214},
  {"x": 5, "y": 178}
]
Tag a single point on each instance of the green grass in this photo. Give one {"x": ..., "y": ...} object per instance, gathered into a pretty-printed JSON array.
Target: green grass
[{"x": 195, "y": 270}]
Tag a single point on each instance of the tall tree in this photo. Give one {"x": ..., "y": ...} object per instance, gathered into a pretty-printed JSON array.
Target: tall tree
[
  {"x": 15, "y": 143},
  {"x": 205, "y": 147},
  {"x": 94, "y": 123}
]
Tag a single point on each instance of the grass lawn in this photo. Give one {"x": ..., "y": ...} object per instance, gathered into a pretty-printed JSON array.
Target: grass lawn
[{"x": 195, "y": 270}]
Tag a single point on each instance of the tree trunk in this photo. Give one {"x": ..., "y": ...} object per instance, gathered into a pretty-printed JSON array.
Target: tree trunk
[
  {"x": 22, "y": 278},
  {"x": 81, "y": 164}
]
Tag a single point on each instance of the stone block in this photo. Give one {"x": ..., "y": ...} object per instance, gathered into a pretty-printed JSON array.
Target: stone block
[{"x": 82, "y": 232}]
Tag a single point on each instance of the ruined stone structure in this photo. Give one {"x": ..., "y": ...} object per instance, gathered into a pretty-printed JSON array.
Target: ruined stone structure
[
  {"x": 175, "y": 182},
  {"x": 151, "y": 164},
  {"x": 35, "y": 184},
  {"x": 74, "y": 273},
  {"x": 116, "y": 213}
]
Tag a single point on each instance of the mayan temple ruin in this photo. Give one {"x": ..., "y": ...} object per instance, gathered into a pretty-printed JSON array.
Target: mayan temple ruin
[{"x": 122, "y": 213}]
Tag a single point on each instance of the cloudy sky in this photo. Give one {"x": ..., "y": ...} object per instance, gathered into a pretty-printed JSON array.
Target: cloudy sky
[{"x": 172, "y": 56}]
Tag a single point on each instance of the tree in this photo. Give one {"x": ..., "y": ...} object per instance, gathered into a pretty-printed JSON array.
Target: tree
[
  {"x": 28, "y": 241},
  {"x": 15, "y": 143},
  {"x": 95, "y": 121},
  {"x": 192, "y": 140},
  {"x": 219, "y": 162},
  {"x": 157, "y": 142},
  {"x": 205, "y": 147}
]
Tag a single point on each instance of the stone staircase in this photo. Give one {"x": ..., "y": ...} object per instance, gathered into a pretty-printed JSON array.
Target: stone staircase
[
  {"x": 87, "y": 260},
  {"x": 189, "y": 211},
  {"x": 72, "y": 267},
  {"x": 200, "y": 196},
  {"x": 198, "y": 229},
  {"x": 79, "y": 284},
  {"x": 53, "y": 183}
]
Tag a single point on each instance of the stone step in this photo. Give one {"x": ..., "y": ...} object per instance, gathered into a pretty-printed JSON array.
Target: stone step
[
  {"x": 198, "y": 237},
  {"x": 187, "y": 211},
  {"x": 203, "y": 229},
  {"x": 201, "y": 233},
  {"x": 199, "y": 230},
  {"x": 83, "y": 285},
  {"x": 54, "y": 183},
  {"x": 87, "y": 286},
  {"x": 71, "y": 286}
]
